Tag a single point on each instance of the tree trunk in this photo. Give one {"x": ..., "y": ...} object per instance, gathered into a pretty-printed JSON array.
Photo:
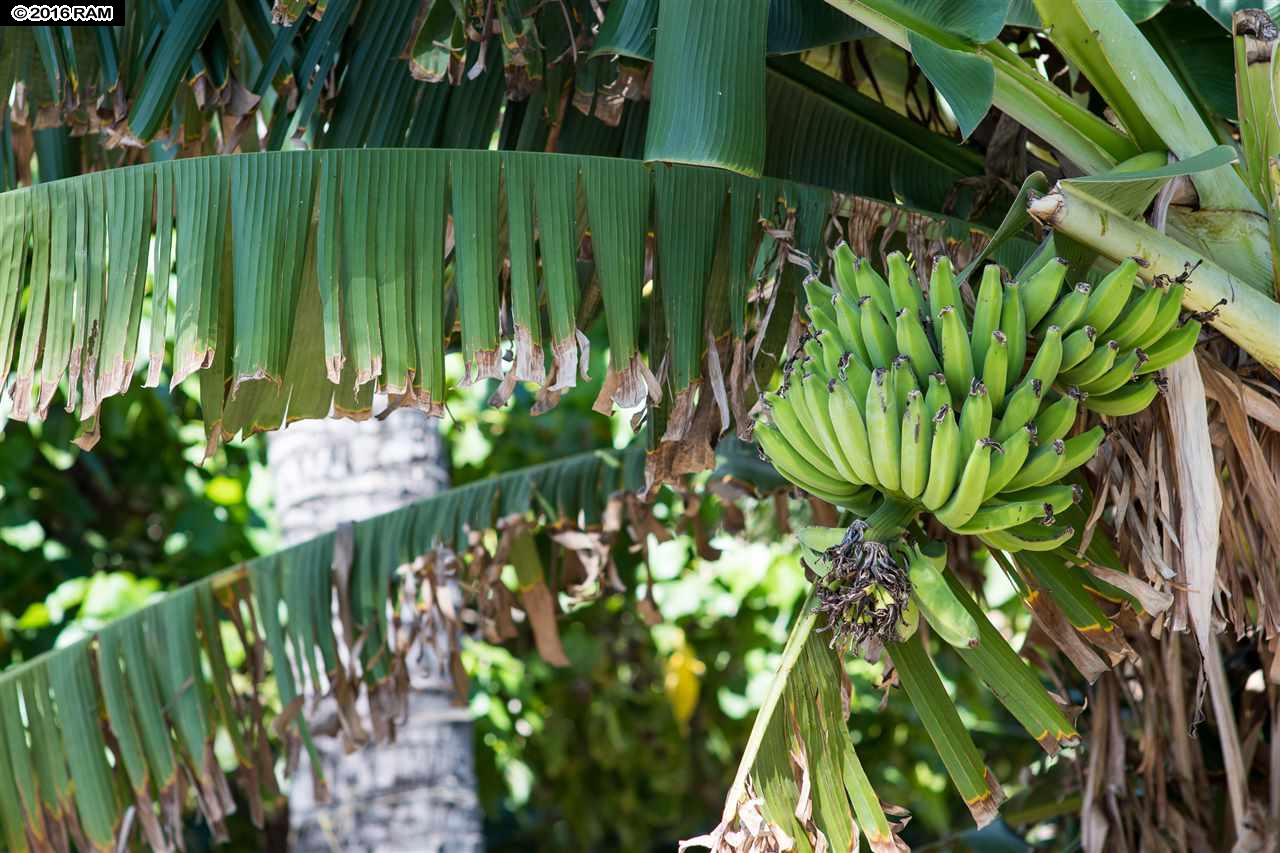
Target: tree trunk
[{"x": 418, "y": 793}]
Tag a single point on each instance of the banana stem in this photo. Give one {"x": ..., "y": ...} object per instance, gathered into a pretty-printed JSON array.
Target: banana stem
[
  {"x": 1241, "y": 312},
  {"x": 889, "y": 519}
]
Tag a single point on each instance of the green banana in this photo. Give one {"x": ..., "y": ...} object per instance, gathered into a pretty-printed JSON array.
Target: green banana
[
  {"x": 1014, "y": 324},
  {"x": 1041, "y": 290},
  {"x": 1077, "y": 346},
  {"x": 1129, "y": 400},
  {"x": 914, "y": 342},
  {"x": 957, "y": 355},
  {"x": 903, "y": 289},
  {"x": 1079, "y": 449},
  {"x": 876, "y": 335},
  {"x": 1137, "y": 318},
  {"x": 917, "y": 440},
  {"x": 849, "y": 322},
  {"x": 884, "y": 429},
  {"x": 861, "y": 501},
  {"x": 944, "y": 460},
  {"x": 1060, "y": 497},
  {"x": 1166, "y": 316},
  {"x": 856, "y": 375},
  {"x": 1092, "y": 368},
  {"x": 811, "y": 349},
  {"x": 1042, "y": 466},
  {"x": 818, "y": 306},
  {"x": 798, "y": 410},
  {"x": 822, "y": 323},
  {"x": 783, "y": 456},
  {"x": 1031, "y": 537},
  {"x": 1057, "y": 418},
  {"x": 1068, "y": 314},
  {"x": 872, "y": 286},
  {"x": 813, "y": 394},
  {"x": 852, "y": 420},
  {"x": 903, "y": 378},
  {"x": 851, "y": 432},
  {"x": 1007, "y": 464},
  {"x": 796, "y": 432},
  {"x": 1002, "y": 516},
  {"x": 1020, "y": 409},
  {"x": 845, "y": 264},
  {"x": 1111, "y": 295},
  {"x": 800, "y": 481},
  {"x": 816, "y": 292},
  {"x": 834, "y": 350},
  {"x": 1173, "y": 346},
  {"x": 826, "y": 350},
  {"x": 942, "y": 610},
  {"x": 1121, "y": 372},
  {"x": 1048, "y": 358},
  {"x": 975, "y": 415},
  {"x": 937, "y": 393},
  {"x": 986, "y": 312},
  {"x": 967, "y": 496},
  {"x": 943, "y": 290},
  {"x": 995, "y": 369}
]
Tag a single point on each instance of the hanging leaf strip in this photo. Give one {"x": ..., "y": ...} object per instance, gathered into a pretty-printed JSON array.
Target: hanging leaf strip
[{"x": 309, "y": 280}]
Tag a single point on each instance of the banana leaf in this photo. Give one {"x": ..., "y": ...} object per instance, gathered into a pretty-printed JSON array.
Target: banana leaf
[{"x": 105, "y": 723}]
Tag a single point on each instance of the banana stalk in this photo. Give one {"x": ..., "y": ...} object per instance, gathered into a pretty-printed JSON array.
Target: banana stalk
[
  {"x": 887, "y": 522},
  {"x": 1254, "y": 39}
]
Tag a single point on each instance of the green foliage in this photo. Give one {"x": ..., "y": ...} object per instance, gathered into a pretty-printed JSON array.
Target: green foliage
[
  {"x": 140, "y": 504},
  {"x": 484, "y": 440},
  {"x": 593, "y": 756}
]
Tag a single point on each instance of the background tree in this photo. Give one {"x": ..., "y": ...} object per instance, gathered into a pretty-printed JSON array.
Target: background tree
[{"x": 418, "y": 792}]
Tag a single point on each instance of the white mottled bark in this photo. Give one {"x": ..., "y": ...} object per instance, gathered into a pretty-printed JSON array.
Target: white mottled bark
[{"x": 418, "y": 793}]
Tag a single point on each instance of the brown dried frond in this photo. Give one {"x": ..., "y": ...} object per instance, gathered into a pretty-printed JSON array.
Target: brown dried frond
[{"x": 1137, "y": 491}]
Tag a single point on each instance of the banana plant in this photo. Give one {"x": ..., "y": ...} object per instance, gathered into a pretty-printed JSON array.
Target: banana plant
[
  {"x": 903, "y": 404},
  {"x": 307, "y": 279},
  {"x": 1227, "y": 227}
]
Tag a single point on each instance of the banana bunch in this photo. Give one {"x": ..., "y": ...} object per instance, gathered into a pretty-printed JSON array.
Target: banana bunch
[{"x": 905, "y": 394}]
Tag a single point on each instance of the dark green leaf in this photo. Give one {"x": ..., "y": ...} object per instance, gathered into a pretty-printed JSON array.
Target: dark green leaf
[
  {"x": 708, "y": 85},
  {"x": 966, "y": 80}
]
